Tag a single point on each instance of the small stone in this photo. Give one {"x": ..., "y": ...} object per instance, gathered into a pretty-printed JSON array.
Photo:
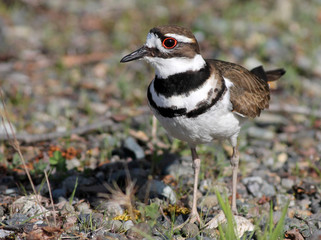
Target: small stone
[
  {"x": 84, "y": 208},
  {"x": 133, "y": 148},
  {"x": 208, "y": 201},
  {"x": 5, "y": 234},
  {"x": 6, "y": 127},
  {"x": 176, "y": 166},
  {"x": 261, "y": 133},
  {"x": 112, "y": 208},
  {"x": 10, "y": 191},
  {"x": 115, "y": 225},
  {"x": 268, "y": 119},
  {"x": 134, "y": 233},
  {"x": 16, "y": 219},
  {"x": 268, "y": 189},
  {"x": 287, "y": 183},
  {"x": 158, "y": 188},
  {"x": 128, "y": 225},
  {"x": 190, "y": 230},
  {"x": 59, "y": 192}
]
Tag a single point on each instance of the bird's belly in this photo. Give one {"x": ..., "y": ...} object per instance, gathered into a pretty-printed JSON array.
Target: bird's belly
[{"x": 216, "y": 123}]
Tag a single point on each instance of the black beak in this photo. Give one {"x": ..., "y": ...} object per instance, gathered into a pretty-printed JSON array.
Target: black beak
[{"x": 139, "y": 53}]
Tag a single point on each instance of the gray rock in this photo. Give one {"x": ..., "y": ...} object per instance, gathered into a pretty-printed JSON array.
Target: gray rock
[
  {"x": 261, "y": 133},
  {"x": 114, "y": 225},
  {"x": 16, "y": 219},
  {"x": 112, "y": 208},
  {"x": 5, "y": 128},
  {"x": 287, "y": 183},
  {"x": 70, "y": 182},
  {"x": 268, "y": 119},
  {"x": 268, "y": 189},
  {"x": 178, "y": 167},
  {"x": 190, "y": 230},
  {"x": 132, "y": 146},
  {"x": 59, "y": 192},
  {"x": 5, "y": 234},
  {"x": 128, "y": 225},
  {"x": 158, "y": 189},
  {"x": 141, "y": 227},
  {"x": 258, "y": 187},
  {"x": 208, "y": 201},
  {"x": 84, "y": 208}
]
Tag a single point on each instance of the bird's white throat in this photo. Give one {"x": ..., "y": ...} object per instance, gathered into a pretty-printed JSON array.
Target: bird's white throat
[{"x": 165, "y": 67}]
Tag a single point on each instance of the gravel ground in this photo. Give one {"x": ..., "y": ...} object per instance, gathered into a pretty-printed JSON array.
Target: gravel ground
[{"x": 82, "y": 117}]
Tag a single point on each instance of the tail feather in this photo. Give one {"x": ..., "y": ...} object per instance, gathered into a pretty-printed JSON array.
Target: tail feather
[
  {"x": 268, "y": 76},
  {"x": 274, "y": 75}
]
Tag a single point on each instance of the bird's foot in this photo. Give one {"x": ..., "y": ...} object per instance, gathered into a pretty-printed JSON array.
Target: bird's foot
[{"x": 193, "y": 217}]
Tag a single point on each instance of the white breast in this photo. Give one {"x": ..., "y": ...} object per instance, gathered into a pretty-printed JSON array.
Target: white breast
[{"x": 219, "y": 122}]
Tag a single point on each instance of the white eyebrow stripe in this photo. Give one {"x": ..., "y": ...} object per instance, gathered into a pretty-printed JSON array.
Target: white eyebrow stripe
[{"x": 180, "y": 38}]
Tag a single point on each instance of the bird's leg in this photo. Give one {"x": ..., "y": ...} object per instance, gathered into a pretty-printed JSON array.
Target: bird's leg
[
  {"x": 235, "y": 165},
  {"x": 196, "y": 165}
]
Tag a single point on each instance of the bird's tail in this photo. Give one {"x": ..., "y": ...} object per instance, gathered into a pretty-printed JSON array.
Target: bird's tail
[{"x": 268, "y": 76}]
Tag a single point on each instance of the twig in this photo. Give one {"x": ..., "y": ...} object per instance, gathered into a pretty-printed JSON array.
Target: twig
[
  {"x": 51, "y": 199},
  {"x": 15, "y": 144}
]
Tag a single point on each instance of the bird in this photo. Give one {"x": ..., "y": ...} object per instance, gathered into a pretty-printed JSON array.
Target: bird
[{"x": 200, "y": 100}]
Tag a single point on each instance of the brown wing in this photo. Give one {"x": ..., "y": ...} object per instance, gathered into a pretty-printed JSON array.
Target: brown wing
[{"x": 250, "y": 94}]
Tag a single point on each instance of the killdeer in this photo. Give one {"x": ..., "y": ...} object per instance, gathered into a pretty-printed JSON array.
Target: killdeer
[{"x": 198, "y": 100}]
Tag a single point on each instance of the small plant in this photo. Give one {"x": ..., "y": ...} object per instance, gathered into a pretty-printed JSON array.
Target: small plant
[
  {"x": 228, "y": 230},
  {"x": 58, "y": 161}
]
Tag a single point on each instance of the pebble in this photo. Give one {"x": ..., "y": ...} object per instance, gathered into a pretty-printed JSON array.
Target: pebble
[
  {"x": 268, "y": 119},
  {"x": 59, "y": 192},
  {"x": 16, "y": 219},
  {"x": 258, "y": 187},
  {"x": 128, "y": 225},
  {"x": 176, "y": 166},
  {"x": 112, "y": 208},
  {"x": 6, "y": 127},
  {"x": 208, "y": 201},
  {"x": 84, "y": 208},
  {"x": 261, "y": 133},
  {"x": 140, "y": 227},
  {"x": 5, "y": 234},
  {"x": 287, "y": 183},
  {"x": 133, "y": 148},
  {"x": 190, "y": 230},
  {"x": 157, "y": 188},
  {"x": 114, "y": 225}
]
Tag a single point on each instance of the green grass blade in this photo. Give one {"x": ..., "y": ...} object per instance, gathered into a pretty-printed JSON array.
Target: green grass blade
[
  {"x": 279, "y": 227},
  {"x": 73, "y": 192}
]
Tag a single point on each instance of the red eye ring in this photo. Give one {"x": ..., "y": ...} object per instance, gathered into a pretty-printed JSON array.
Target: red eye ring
[{"x": 169, "y": 43}]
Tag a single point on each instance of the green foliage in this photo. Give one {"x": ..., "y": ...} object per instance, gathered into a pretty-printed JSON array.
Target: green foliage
[
  {"x": 73, "y": 192},
  {"x": 271, "y": 232},
  {"x": 58, "y": 161},
  {"x": 227, "y": 231}
]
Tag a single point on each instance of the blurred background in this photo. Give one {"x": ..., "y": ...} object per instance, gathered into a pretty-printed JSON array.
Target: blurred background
[{"x": 60, "y": 59}]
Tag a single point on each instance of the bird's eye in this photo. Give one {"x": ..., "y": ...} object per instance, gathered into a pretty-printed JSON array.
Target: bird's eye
[{"x": 169, "y": 43}]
